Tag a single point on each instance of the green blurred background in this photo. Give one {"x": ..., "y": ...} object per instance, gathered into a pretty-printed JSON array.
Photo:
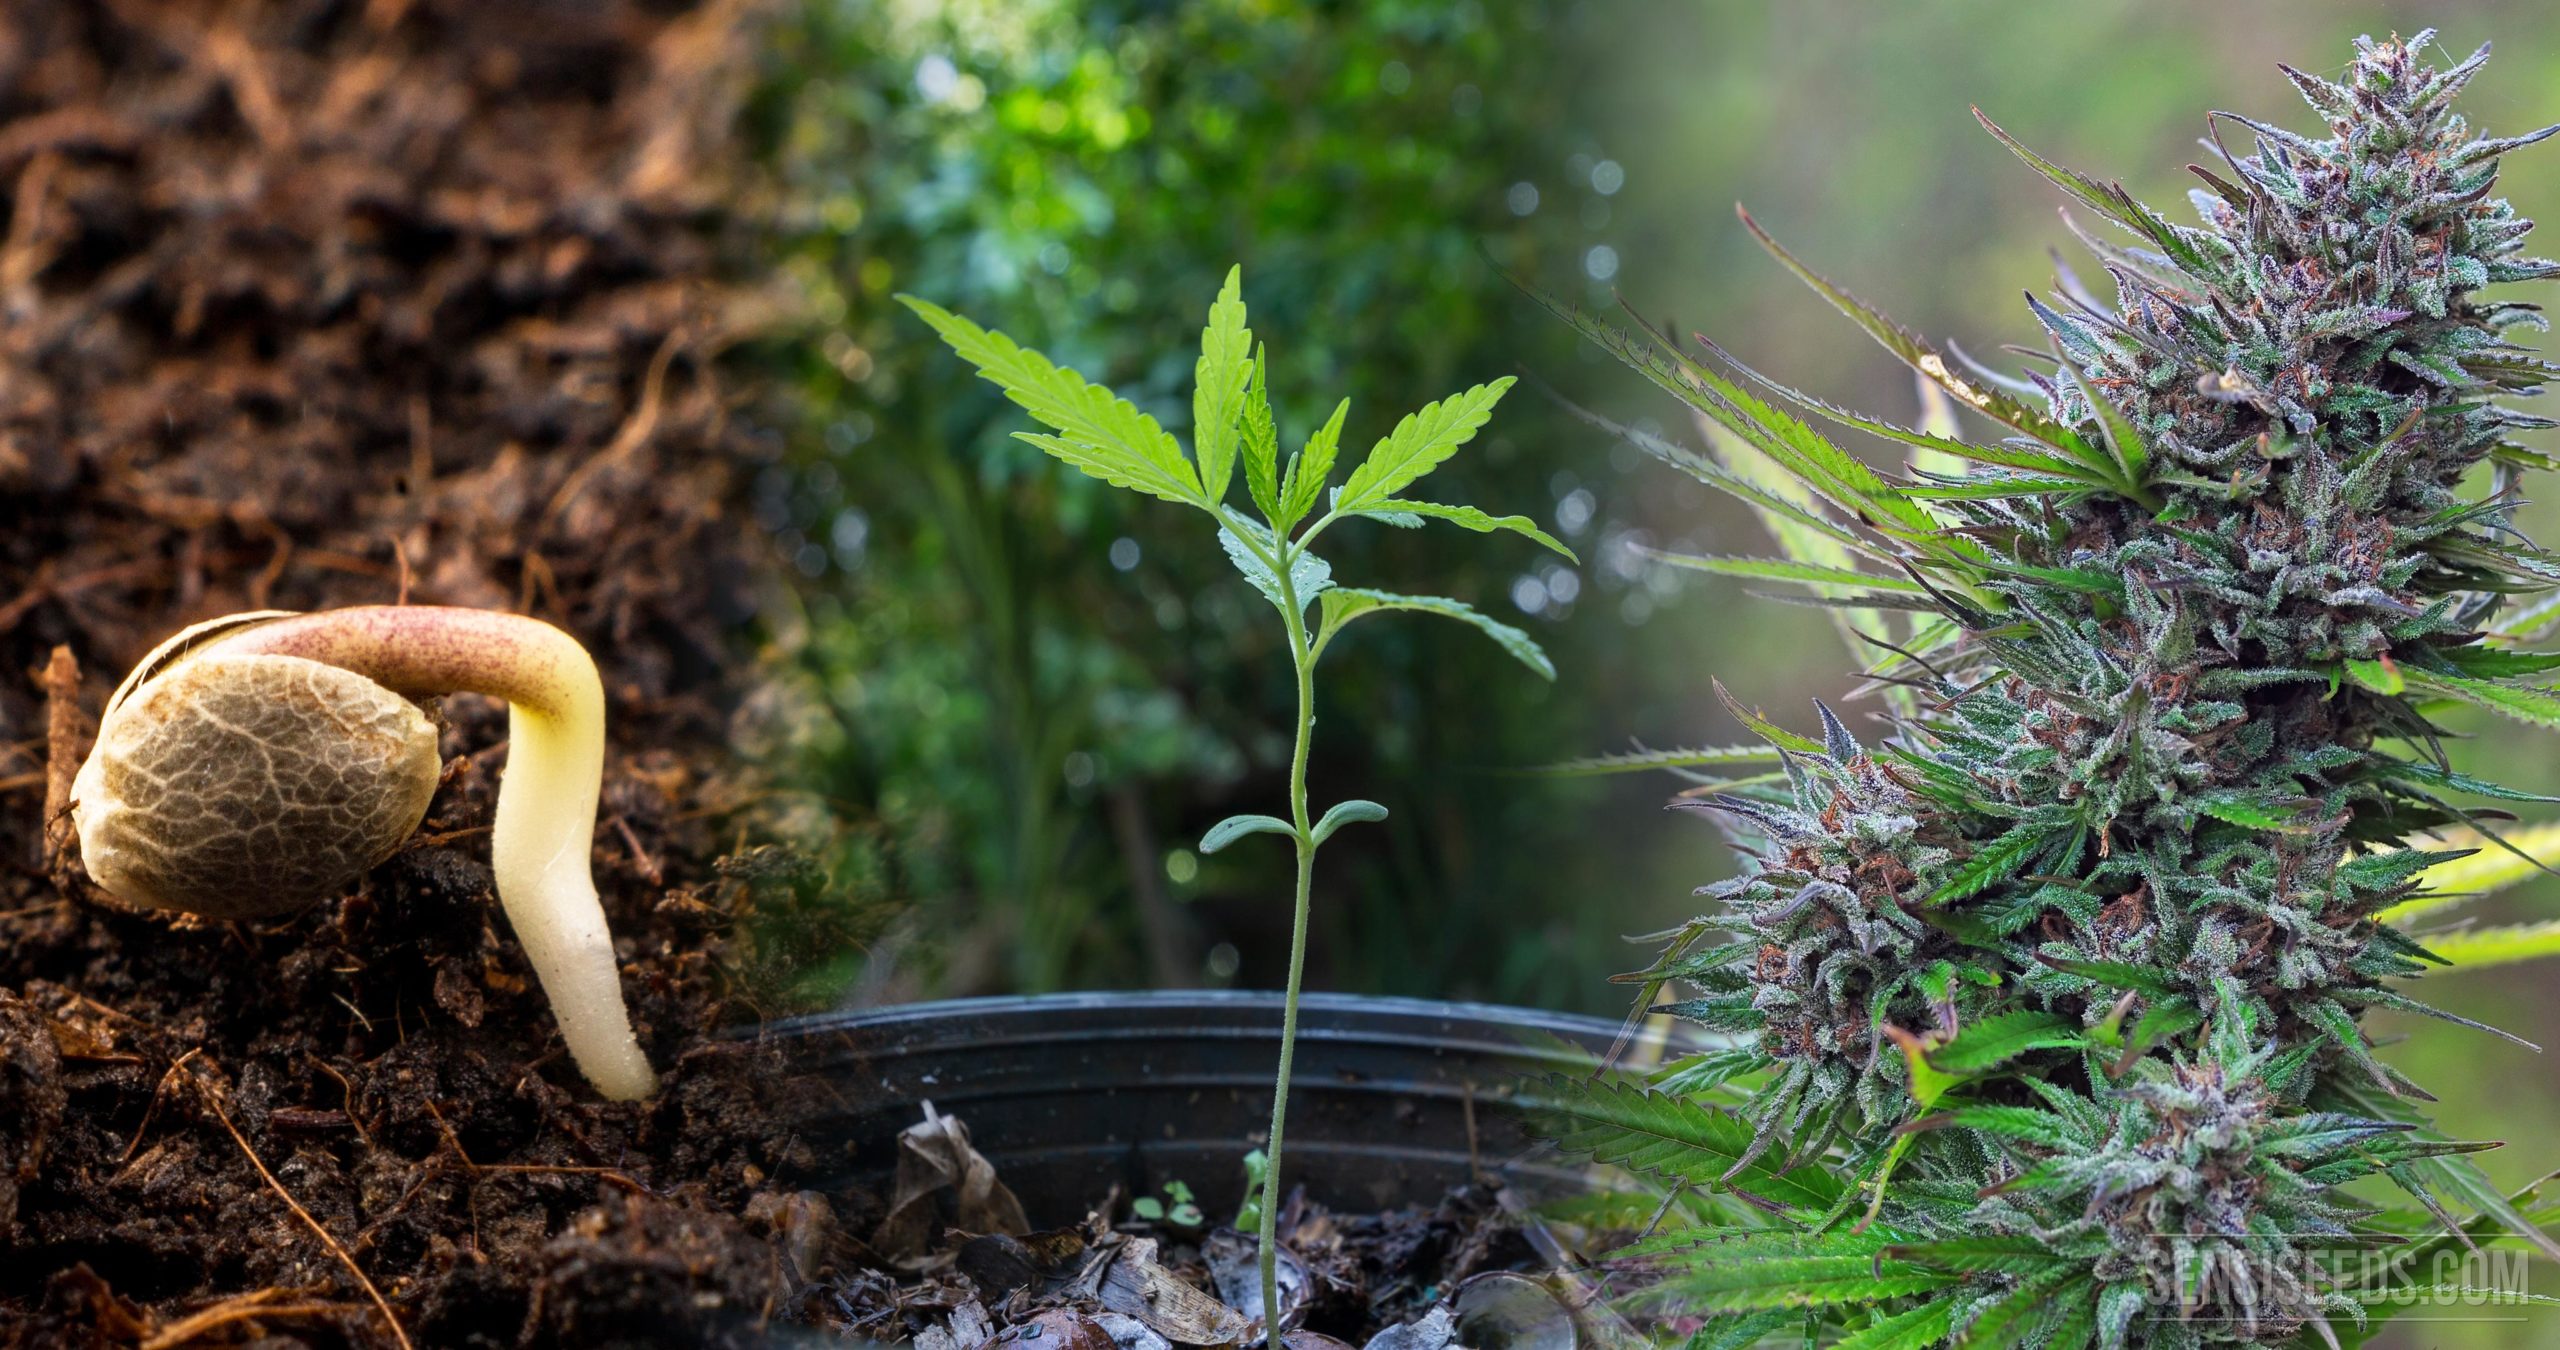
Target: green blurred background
[{"x": 1045, "y": 689}]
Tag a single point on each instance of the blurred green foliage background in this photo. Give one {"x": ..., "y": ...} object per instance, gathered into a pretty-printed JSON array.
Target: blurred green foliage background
[{"x": 1046, "y": 696}]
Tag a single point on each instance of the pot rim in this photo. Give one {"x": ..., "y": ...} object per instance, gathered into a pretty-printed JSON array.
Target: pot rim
[{"x": 1646, "y": 1041}]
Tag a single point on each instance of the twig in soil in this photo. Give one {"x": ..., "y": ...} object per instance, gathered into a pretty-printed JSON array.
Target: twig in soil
[
  {"x": 353, "y": 1116},
  {"x": 264, "y": 583},
  {"x": 151, "y": 1112},
  {"x": 95, "y": 1006},
  {"x": 44, "y": 587},
  {"x": 648, "y": 865},
  {"x": 22, "y": 258},
  {"x": 445, "y": 837},
  {"x": 229, "y": 53},
  {"x": 532, "y": 1169},
  {"x": 354, "y": 1011},
  {"x": 538, "y": 579},
  {"x": 239, "y": 1308},
  {"x": 62, "y": 761},
  {"x": 213, "y": 1099},
  {"x": 633, "y": 434}
]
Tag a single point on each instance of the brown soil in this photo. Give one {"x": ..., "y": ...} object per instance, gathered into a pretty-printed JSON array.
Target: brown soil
[{"x": 308, "y": 303}]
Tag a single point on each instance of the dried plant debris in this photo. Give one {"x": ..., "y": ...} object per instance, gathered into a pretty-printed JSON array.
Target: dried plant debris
[
  {"x": 1407, "y": 1279},
  {"x": 309, "y": 303},
  {"x": 935, "y": 1158}
]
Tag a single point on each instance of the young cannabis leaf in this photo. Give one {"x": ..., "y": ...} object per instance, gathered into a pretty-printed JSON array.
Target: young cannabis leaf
[
  {"x": 1110, "y": 438},
  {"x": 2062, "y": 979}
]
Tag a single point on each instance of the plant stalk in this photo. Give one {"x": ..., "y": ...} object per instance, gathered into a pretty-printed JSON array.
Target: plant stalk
[{"x": 1303, "y": 657}]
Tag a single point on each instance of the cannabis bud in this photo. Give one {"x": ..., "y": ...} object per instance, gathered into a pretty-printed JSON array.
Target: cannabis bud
[{"x": 2046, "y": 1003}]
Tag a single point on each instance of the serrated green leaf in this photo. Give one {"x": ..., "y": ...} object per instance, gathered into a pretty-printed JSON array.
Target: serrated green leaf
[
  {"x": 1309, "y": 469},
  {"x": 2128, "y": 453},
  {"x": 1260, "y": 444},
  {"x": 2430, "y": 776},
  {"x": 1233, "y": 828},
  {"x": 1419, "y": 444},
  {"x": 1762, "y": 727},
  {"x": 2163, "y": 1019},
  {"x": 1647, "y": 761},
  {"x": 2457, "y": 1176},
  {"x": 1344, "y": 605},
  {"x": 2382, "y": 677},
  {"x": 1994, "y": 1041},
  {"x": 1468, "y": 517},
  {"x": 1309, "y": 575},
  {"x": 2014, "y": 1313},
  {"x": 1218, "y": 388},
  {"x": 2149, "y": 980},
  {"x": 1710, "y": 1071},
  {"x": 1099, "y": 432},
  {"x": 2451, "y": 780},
  {"x": 2384, "y": 870},
  {"x": 1741, "y": 1331},
  {"x": 1926, "y": 442},
  {"x": 2238, "y": 808},
  {"x": 2498, "y": 663},
  {"x": 1997, "y": 489},
  {"x": 2024, "y": 1124},
  {"x": 1109, "y": 465},
  {"x": 2524, "y": 703},
  {"x": 1999, "y": 1254},
  {"x": 1351, "y": 812},
  {"x": 1673, "y": 1138},
  {"x": 2111, "y": 201},
  {"x": 2473, "y": 948},
  {"x": 1927, "y": 360},
  {"x": 2340, "y": 1027},
  {"x": 1918, "y": 1329},
  {"x": 1993, "y": 863},
  {"x": 1784, "y": 569},
  {"x": 1796, "y": 448},
  {"x": 2449, "y": 875},
  {"x": 1825, "y": 1270},
  {"x": 1791, "y": 514},
  {"x": 1788, "y": 507}
]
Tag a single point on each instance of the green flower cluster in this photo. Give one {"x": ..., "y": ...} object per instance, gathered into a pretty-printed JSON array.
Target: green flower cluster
[{"x": 2061, "y": 978}]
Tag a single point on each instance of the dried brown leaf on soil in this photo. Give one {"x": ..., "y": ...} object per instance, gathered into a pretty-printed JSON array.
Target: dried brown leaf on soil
[{"x": 935, "y": 1158}]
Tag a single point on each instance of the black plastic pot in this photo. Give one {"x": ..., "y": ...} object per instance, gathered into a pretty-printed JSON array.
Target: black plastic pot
[{"x": 1393, "y": 1101}]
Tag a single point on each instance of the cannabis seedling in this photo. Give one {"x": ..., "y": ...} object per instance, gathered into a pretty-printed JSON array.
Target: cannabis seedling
[
  {"x": 1109, "y": 438},
  {"x": 1179, "y": 1207},
  {"x": 258, "y": 763}
]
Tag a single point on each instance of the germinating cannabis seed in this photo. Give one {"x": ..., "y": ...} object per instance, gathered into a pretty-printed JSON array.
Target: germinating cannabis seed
[
  {"x": 2057, "y": 983},
  {"x": 256, "y": 764},
  {"x": 247, "y": 788}
]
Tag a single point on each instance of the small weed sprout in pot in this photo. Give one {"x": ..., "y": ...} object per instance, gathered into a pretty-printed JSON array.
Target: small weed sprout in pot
[
  {"x": 1294, "y": 502},
  {"x": 2045, "y": 1007},
  {"x": 257, "y": 764}
]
